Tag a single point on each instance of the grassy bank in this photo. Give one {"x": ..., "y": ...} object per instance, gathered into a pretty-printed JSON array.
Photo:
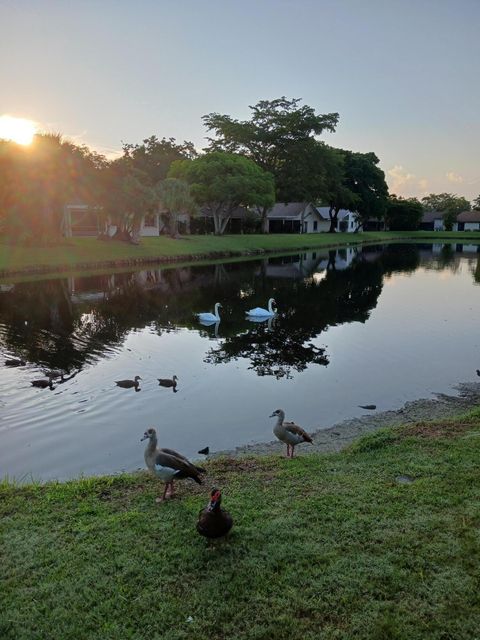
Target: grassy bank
[
  {"x": 324, "y": 546},
  {"x": 88, "y": 253}
]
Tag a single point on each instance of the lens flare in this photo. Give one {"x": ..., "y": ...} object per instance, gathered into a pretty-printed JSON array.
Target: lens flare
[{"x": 19, "y": 130}]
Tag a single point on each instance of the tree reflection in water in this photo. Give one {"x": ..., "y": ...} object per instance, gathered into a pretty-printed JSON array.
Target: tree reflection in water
[{"x": 68, "y": 322}]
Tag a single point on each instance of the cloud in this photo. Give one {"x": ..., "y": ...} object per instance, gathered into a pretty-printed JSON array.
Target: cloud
[
  {"x": 454, "y": 177},
  {"x": 403, "y": 183}
]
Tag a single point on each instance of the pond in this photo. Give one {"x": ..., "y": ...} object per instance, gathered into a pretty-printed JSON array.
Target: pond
[{"x": 372, "y": 325}]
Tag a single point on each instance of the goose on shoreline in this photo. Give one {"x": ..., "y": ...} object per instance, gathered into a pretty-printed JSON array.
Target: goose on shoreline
[
  {"x": 168, "y": 465},
  {"x": 289, "y": 432}
]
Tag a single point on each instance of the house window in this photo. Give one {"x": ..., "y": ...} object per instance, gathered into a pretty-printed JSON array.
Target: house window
[
  {"x": 150, "y": 220},
  {"x": 315, "y": 225}
]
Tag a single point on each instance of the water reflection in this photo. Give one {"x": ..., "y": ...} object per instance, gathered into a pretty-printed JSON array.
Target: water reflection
[{"x": 67, "y": 323}]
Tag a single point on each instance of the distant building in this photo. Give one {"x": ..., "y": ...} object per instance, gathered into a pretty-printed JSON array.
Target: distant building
[
  {"x": 468, "y": 221},
  {"x": 296, "y": 217}
]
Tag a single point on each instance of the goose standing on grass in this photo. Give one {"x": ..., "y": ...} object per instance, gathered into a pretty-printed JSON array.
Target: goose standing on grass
[
  {"x": 213, "y": 521},
  {"x": 210, "y": 317},
  {"x": 128, "y": 384},
  {"x": 168, "y": 465},
  {"x": 168, "y": 382},
  {"x": 259, "y": 312},
  {"x": 289, "y": 432},
  {"x": 43, "y": 383}
]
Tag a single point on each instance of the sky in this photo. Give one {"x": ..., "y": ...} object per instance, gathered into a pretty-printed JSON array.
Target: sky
[{"x": 402, "y": 74}]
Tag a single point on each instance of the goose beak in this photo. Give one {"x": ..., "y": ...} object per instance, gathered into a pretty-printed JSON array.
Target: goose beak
[
  {"x": 272, "y": 415},
  {"x": 145, "y": 437}
]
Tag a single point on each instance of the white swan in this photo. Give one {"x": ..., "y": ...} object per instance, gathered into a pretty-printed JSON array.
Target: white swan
[
  {"x": 258, "y": 312},
  {"x": 210, "y": 317}
]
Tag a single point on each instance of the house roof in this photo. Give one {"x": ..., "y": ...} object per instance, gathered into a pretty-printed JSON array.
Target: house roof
[
  {"x": 287, "y": 209},
  {"x": 238, "y": 213},
  {"x": 469, "y": 216},
  {"x": 430, "y": 216},
  {"x": 323, "y": 212}
]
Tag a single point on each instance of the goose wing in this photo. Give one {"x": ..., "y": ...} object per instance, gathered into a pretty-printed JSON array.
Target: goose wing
[
  {"x": 173, "y": 460},
  {"x": 172, "y": 452},
  {"x": 298, "y": 431}
]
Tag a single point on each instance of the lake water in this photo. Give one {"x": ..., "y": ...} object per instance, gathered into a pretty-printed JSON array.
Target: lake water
[{"x": 378, "y": 325}]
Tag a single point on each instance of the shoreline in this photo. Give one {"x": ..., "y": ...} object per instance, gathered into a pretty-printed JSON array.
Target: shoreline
[
  {"x": 320, "y": 241},
  {"x": 335, "y": 438}
]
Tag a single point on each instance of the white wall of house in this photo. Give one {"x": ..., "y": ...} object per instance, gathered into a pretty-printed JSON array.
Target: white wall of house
[
  {"x": 472, "y": 226},
  {"x": 313, "y": 222}
]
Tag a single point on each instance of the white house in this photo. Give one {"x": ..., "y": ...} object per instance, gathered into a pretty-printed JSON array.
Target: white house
[
  {"x": 296, "y": 217},
  {"x": 468, "y": 221},
  {"x": 346, "y": 219}
]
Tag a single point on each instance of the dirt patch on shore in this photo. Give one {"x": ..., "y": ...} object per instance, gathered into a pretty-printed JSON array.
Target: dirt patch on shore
[{"x": 418, "y": 413}]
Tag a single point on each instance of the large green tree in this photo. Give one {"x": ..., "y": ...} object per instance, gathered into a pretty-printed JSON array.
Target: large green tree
[
  {"x": 367, "y": 182},
  {"x": 338, "y": 195},
  {"x": 153, "y": 157},
  {"x": 281, "y": 138},
  {"x": 37, "y": 181},
  {"x": 221, "y": 182},
  {"x": 476, "y": 202},
  {"x": 449, "y": 204},
  {"x": 403, "y": 214},
  {"x": 175, "y": 198}
]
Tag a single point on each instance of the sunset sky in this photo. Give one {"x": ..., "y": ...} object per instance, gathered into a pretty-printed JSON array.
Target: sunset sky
[{"x": 403, "y": 74}]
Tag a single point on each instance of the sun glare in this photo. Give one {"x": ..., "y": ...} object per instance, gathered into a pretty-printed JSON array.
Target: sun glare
[{"x": 19, "y": 130}]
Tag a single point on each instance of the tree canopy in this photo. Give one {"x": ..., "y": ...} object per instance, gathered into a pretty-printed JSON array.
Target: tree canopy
[
  {"x": 403, "y": 214},
  {"x": 222, "y": 181}
]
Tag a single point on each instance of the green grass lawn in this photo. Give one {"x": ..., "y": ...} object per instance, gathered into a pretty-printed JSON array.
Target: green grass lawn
[
  {"x": 89, "y": 251},
  {"x": 323, "y": 546}
]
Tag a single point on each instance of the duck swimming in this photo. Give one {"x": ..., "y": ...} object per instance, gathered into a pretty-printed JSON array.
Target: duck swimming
[{"x": 128, "y": 384}]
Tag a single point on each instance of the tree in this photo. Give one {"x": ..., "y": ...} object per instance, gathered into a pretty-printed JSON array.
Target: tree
[
  {"x": 126, "y": 198},
  {"x": 37, "y": 181},
  {"x": 338, "y": 194},
  {"x": 175, "y": 198},
  {"x": 476, "y": 202},
  {"x": 403, "y": 214},
  {"x": 223, "y": 181},
  {"x": 280, "y": 138},
  {"x": 366, "y": 181},
  {"x": 153, "y": 157},
  {"x": 449, "y": 204}
]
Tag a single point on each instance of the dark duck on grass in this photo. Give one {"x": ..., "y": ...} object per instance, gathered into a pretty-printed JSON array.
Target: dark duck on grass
[
  {"x": 168, "y": 465},
  {"x": 213, "y": 521}
]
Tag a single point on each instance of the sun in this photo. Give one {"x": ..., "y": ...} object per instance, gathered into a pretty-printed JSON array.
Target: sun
[{"x": 19, "y": 130}]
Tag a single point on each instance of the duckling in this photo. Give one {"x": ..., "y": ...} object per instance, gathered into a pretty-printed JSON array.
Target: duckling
[
  {"x": 168, "y": 465},
  {"x": 42, "y": 383},
  {"x": 213, "y": 521},
  {"x": 168, "y": 382},
  {"x": 289, "y": 432},
  {"x": 128, "y": 384},
  {"x": 15, "y": 362},
  {"x": 205, "y": 451}
]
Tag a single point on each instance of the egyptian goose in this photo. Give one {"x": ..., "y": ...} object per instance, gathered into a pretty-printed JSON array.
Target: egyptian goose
[
  {"x": 289, "y": 432},
  {"x": 213, "y": 521},
  {"x": 168, "y": 465},
  {"x": 168, "y": 382},
  {"x": 128, "y": 384}
]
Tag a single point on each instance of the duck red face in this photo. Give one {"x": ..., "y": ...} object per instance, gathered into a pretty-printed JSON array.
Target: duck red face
[{"x": 215, "y": 499}]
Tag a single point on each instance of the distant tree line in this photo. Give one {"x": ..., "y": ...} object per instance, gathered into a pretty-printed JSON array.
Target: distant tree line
[{"x": 275, "y": 156}]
